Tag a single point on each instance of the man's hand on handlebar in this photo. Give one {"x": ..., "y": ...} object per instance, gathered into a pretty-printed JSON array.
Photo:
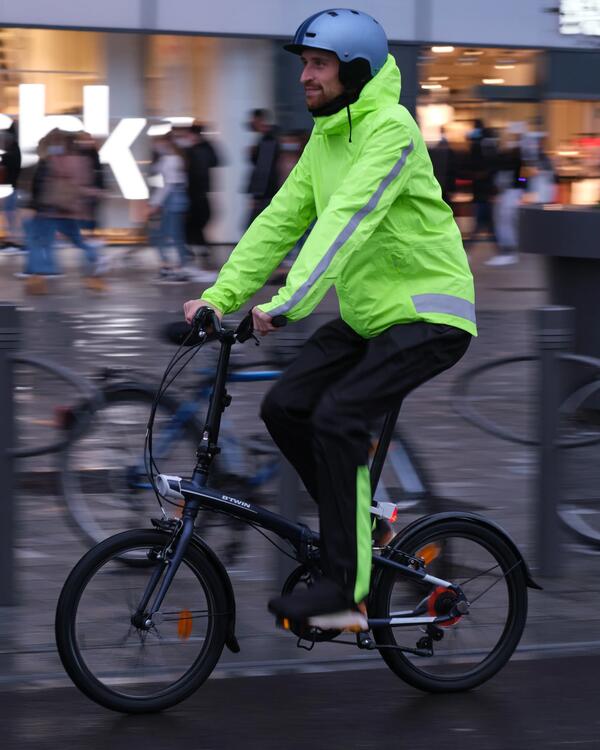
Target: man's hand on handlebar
[
  {"x": 192, "y": 306},
  {"x": 262, "y": 322}
]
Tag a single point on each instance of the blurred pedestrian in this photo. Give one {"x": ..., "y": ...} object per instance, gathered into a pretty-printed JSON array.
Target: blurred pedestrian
[
  {"x": 87, "y": 147},
  {"x": 510, "y": 185},
  {"x": 201, "y": 159},
  {"x": 170, "y": 203},
  {"x": 10, "y": 169},
  {"x": 67, "y": 183},
  {"x": 443, "y": 160},
  {"x": 482, "y": 168},
  {"x": 542, "y": 181},
  {"x": 264, "y": 156},
  {"x": 40, "y": 263}
]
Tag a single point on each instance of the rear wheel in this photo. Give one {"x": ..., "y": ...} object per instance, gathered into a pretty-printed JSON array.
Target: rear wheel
[
  {"x": 130, "y": 666},
  {"x": 472, "y": 648}
]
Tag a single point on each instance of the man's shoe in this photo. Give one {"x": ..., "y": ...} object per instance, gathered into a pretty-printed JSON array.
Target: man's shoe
[
  {"x": 323, "y": 605},
  {"x": 502, "y": 260},
  {"x": 36, "y": 284},
  {"x": 349, "y": 619},
  {"x": 95, "y": 283}
]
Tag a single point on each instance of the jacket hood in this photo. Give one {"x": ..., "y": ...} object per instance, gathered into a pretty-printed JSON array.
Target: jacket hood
[{"x": 381, "y": 91}]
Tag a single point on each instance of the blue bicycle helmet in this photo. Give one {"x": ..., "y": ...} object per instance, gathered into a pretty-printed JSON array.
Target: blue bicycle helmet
[{"x": 350, "y": 34}]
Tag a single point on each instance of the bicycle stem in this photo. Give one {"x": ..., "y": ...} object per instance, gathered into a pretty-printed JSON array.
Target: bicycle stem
[{"x": 219, "y": 401}]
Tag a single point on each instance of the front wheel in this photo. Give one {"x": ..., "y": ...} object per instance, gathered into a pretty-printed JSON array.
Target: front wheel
[
  {"x": 470, "y": 649},
  {"x": 130, "y": 665}
]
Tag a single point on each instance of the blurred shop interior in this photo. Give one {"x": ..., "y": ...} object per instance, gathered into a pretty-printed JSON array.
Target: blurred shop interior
[{"x": 97, "y": 80}]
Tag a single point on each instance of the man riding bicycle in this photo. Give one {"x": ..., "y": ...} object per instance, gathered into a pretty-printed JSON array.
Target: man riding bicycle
[{"x": 389, "y": 244}]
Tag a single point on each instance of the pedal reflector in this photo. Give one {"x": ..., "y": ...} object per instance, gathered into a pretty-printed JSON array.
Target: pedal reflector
[
  {"x": 285, "y": 623},
  {"x": 184, "y": 624}
]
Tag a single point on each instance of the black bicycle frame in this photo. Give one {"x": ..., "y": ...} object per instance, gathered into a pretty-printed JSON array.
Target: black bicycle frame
[{"x": 195, "y": 495}]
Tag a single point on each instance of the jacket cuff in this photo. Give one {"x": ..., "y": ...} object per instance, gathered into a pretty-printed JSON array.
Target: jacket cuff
[{"x": 211, "y": 295}]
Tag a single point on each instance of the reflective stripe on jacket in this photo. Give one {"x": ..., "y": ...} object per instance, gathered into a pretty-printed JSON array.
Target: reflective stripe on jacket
[{"x": 383, "y": 236}]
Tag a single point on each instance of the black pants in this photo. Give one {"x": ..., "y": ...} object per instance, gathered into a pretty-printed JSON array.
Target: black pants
[{"x": 319, "y": 414}]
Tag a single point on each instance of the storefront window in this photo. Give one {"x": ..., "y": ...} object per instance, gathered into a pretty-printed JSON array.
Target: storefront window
[{"x": 458, "y": 85}]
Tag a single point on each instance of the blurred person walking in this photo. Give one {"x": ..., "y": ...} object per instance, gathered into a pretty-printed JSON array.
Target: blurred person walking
[
  {"x": 170, "y": 204},
  {"x": 510, "y": 185},
  {"x": 66, "y": 183},
  {"x": 201, "y": 158},
  {"x": 443, "y": 160},
  {"x": 10, "y": 170},
  {"x": 482, "y": 162},
  {"x": 86, "y": 146},
  {"x": 388, "y": 242},
  {"x": 264, "y": 156},
  {"x": 40, "y": 263}
]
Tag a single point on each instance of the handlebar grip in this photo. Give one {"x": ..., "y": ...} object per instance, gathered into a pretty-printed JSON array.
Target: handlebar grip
[
  {"x": 206, "y": 317},
  {"x": 245, "y": 329}
]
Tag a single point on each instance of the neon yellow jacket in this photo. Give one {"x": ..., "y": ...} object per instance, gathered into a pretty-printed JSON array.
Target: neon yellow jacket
[{"x": 383, "y": 236}]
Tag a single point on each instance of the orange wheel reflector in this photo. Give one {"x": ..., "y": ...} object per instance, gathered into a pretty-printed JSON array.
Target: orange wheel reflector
[
  {"x": 429, "y": 552},
  {"x": 184, "y": 624},
  {"x": 286, "y": 623}
]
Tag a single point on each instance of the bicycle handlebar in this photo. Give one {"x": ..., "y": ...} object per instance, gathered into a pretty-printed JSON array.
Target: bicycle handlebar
[{"x": 206, "y": 322}]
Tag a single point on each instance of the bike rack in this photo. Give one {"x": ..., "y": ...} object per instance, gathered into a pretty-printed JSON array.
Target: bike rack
[
  {"x": 554, "y": 334},
  {"x": 10, "y": 338},
  {"x": 9, "y": 341}
]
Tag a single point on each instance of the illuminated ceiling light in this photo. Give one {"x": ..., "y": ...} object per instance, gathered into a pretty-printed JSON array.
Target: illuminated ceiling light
[
  {"x": 95, "y": 110},
  {"x": 437, "y": 78},
  {"x": 504, "y": 67},
  {"x": 431, "y": 86},
  {"x": 443, "y": 50},
  {"x": 116, "y": 153},
  {"x": 493, "y": 81},
  {"x": 473, "y": 52},
  {"x": 5, "y": 122}
]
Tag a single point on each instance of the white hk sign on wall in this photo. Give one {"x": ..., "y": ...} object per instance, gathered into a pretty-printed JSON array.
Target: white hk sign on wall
[
  {"x": 580, "y": 17},
  {"x": 34, "y": 124}
]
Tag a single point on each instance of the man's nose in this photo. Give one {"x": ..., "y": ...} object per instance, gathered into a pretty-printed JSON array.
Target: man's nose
[{"x": 306, "y": 75}]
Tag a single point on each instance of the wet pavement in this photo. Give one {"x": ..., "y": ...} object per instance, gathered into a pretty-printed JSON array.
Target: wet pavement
[
  {"x": 544, "y": 703},
  {"x": 467, "y": 468}
]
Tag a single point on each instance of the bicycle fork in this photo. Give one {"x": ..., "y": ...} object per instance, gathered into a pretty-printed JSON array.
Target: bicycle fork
[{"x": 142, "y": 617}]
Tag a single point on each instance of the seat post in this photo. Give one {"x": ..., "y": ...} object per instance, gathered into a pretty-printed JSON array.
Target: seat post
[{"x": 385, "y": 437}]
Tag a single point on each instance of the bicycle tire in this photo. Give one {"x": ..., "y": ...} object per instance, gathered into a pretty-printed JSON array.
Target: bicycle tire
[
  {"x": 83, "y": 491},
  {"x": 117, "y": 690},
  {"x": 441, "y": 674},
  {"x": 91, "y": 400}
]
